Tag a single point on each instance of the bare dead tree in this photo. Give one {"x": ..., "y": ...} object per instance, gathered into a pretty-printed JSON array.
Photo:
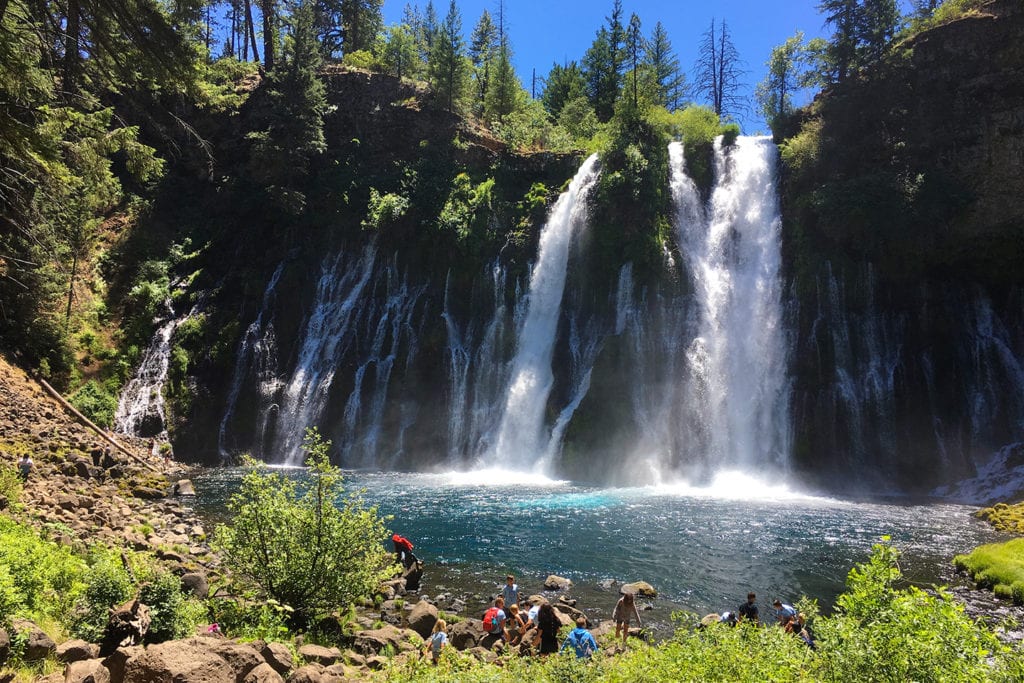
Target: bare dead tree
[{"x": 720, "y": 72}]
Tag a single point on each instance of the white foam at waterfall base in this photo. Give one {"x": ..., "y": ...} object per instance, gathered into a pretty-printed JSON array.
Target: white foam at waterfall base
[
  {"x": 998, "y": 480},
  {"x": 736, "y": 485}
]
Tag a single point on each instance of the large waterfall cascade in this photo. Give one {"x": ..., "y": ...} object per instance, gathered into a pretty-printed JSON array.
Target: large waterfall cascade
[
  {"x": 738, "y": 359},
  {"x": 522, "y": 442}
]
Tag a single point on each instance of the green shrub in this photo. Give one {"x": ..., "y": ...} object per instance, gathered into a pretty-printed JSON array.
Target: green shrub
[
  {"x": 301, "y": 548},
  {"x": 94, "y": 401},
  {"x": 45, "y": 577},
  {"x": 10, "y": 596},
  {"x": 173, "y": 614},
  {"x": 10, "y": 483},
  {"x": 384, "y": 210},
  {"x": 107, "y": 584}
]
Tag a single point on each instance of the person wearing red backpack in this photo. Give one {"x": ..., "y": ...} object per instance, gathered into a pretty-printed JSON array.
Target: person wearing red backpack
[
  {"x": 403, "y": 551},
  {"x": 494, "y": 619}
]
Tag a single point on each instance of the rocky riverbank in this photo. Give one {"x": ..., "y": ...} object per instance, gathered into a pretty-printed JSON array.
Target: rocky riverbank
[{"x": 82, "y": 491}]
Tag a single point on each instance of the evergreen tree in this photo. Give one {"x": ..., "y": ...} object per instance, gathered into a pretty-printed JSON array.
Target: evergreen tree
[
  {"x": 294, "y": 136},
  {"x": 841, "y": 55},
  {"x": 428, "y": 30},
  {"x": 481, "y": 54},
  {"x": 361, "y": 22},
  {"x": 447, "y": 67},
  {"x": 719, "y": 71},
  {"x": 397, "y": 52},
  {"x": 603, "y": 64},
  {"x": 634, "y": 50},
  {"x": 269, "y": 10},
  {"x": 669, "y": 80},
  {"x": 879, "y": 22},
  {"x": 563, "y": 83},
  {"x": 502, "y": 95}
]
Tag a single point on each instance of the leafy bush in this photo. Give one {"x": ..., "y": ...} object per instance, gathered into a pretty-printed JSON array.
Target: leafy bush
[
  {"x": 10, "y": 483},
  {"x": 107, "y": 584},
  {"x": 45, "y": 577},
  {"x": 95, "y": 402},
  {"x": 173, "y": 614},
  {"x": 301, "y": 548},
  {"x": 384, "y": 209}
]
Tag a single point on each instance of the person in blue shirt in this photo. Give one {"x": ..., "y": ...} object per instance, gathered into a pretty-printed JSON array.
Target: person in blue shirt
[
  {"x": 581, "y": 640},
  {"x": 438, "y": 639},
  {"x": 510, "y": 591},
  {"x": 783, "y": 613}
]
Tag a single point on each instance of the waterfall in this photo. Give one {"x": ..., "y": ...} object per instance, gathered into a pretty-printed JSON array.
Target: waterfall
[
  {"x": 737, "y": 362},
  {"x": 259, "y": 348},
  {"x": 324, "y": 339},
  {"x": 140, "y": 407},
  {"x": 521, "y": 442}
]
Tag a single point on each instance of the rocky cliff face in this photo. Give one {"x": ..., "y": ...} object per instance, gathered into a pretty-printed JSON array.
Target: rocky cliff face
[{"x": 904, "y": 244}]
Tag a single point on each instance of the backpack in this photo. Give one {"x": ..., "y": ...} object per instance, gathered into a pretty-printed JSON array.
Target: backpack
[{"x": 491, "y": 620}]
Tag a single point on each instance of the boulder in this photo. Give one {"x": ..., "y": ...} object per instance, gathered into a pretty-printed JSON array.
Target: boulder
[
  {"x": 127, "y": 625},
  {"x": 184, "y": 487},
  {"x": 117, "y": 661},
  {"x": 340, "y": 673},
  {"x": 320, "y": 654},
  {"x": 422, "y": 618},
  {"x": 264, "y": 673},
  {"x": 373, "y": 642},
  {"x": 196, "y": 584},
  {"x": 180, "y": 661},
  {"x": 38, "y": 645},
  {"x": 557, "y": 583},
  {"x": 311, "y": 673},
  {"x": 641, "y": 588},
  {"x": 413, "y": 574},
  {"x": 147, "y": 493},
  {"x": 87, "y": 671},
  {"x": 466, "y": 634},
  {"x": 569, "y": 611},
  {"x": 76, "y": 650},
  {"x": 241, "y": 658},
  {"x": 278, "y": 657}
]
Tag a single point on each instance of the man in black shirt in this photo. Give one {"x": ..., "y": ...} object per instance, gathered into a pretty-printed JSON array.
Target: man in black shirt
[{"x": 748, "y": 610}]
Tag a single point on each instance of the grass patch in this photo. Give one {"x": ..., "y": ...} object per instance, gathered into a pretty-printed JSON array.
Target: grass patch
[{"x": 999, "y": 566}]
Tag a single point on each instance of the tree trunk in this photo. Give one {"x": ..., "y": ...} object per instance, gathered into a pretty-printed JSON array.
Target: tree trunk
[
  {"x": 71, "y": 289},
  {"x": 268, "y": 33},
  {"x": 71, "y": 56},
  {"x": 252, "y": 30}
]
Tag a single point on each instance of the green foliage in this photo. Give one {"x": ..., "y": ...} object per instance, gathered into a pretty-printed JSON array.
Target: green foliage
[
  {"x": 384, "y": 210},
  {"x": 10, "y": 483},
  {"x": 95, "y": 402},
  {"x": 468, "y": 208},
  {"x": 45, "y": 578},
  {"x": 313, "y": 551},
  {"x": 529, "y": 128},
  {"x": 999, "y": 566},
  {"x": 218, "y": 88},
  {"x": 252, "y": 619},
  {"x": 699, "y": 126},
  {"x": 173, "y": 615},
  {"x": 361, "y": 59},
  {"x": 107, "y": 583}
]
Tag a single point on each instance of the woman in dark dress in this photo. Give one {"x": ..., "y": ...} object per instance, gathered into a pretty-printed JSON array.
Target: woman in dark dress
[{"x": 547, "y": 630}]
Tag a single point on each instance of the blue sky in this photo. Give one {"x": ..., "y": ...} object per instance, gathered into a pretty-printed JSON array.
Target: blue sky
[{"x": 545, "y": 32}]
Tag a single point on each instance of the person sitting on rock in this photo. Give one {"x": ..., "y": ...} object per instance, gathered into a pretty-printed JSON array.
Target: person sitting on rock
[
  {"x": 623, "y": 613},
  {"x": 581, "y": 640},
  {"x": 438, "y": 639},
  {"x": 547, "y": 630},
  {"x": 515, "y": 626},
  {"x": 494, "y": 618}
]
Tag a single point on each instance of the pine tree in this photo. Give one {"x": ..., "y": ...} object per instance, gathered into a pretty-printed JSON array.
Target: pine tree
[
  {"x": 669, "y": 80},
  {"x": 481, "y": 54},
  {"x": 634, "y": 49},
  {"x": 447, "y": 67},
  {"x": 563, "y": 84}
]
